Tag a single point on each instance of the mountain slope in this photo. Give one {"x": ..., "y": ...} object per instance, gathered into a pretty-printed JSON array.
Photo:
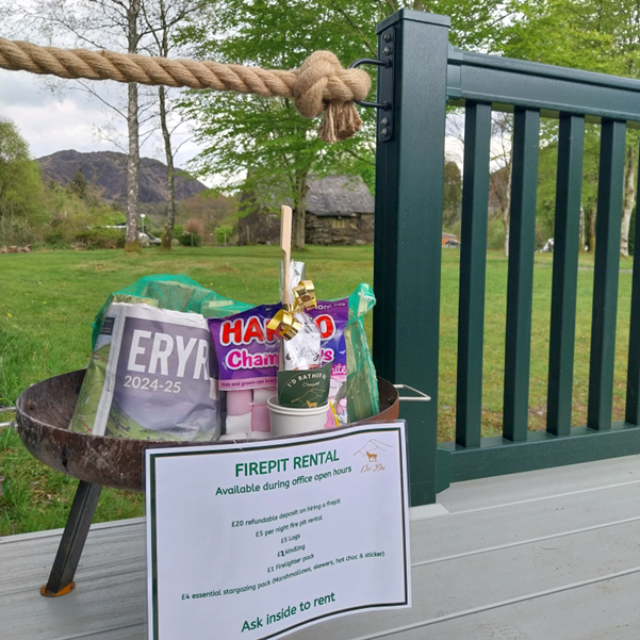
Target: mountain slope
[{"x": 107, "y": 170}]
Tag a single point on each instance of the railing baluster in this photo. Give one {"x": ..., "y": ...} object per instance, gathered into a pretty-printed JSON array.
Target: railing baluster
[
  {"x": 473, "y": 265},
  {"x": 632, "y": 410},
  {"x": 607, "y": 265},
  {"x": 524, "y": 184},
  {"x": 565, "y": 274}
]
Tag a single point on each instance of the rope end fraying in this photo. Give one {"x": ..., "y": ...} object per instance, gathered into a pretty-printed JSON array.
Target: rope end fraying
[{"x": 340, "y": 122}]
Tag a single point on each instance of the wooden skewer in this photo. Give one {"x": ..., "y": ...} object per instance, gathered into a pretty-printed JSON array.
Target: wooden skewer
[
  {"x": 285, "y": 244},
  {"x": 286, "y": 221}
]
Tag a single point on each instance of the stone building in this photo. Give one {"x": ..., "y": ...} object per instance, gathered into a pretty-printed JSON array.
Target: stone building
[{"x": 339, "y": 212}]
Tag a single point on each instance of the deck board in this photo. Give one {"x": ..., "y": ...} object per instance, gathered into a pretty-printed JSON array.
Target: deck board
[
  {"x": 551, "y": 555},
  {"x": 609, "y": 609}
]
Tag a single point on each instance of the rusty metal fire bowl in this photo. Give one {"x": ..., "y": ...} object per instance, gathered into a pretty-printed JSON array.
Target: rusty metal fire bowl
[{"x": 43, "y": 413}]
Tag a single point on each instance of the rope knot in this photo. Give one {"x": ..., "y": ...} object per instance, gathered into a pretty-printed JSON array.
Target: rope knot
[{"x": 322, "y": 85}]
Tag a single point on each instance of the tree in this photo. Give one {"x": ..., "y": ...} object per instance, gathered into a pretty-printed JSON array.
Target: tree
[
  {"x": 500, "y": 177},
  {"x": 98, "y": 24},
  {"x": 594, "y": 35},
  {"x": 452, "y": 193},
  {"x": 264, "y": 144},
  {"x": 77, "y": 186},
  {"x": 162, "y": 19},
  {"x": 21, "y": 186}
]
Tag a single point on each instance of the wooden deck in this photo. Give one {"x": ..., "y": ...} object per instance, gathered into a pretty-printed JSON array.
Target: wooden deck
[{"x": 544, "y": 555}]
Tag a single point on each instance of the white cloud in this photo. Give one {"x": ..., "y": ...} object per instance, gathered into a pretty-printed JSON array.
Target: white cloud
[
  {"x": 50, "y": 122},
  {"x": 69, "y": 117}
]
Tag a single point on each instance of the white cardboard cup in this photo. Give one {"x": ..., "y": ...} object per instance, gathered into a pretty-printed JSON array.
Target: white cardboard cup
[{"x": 287, "y": 421}]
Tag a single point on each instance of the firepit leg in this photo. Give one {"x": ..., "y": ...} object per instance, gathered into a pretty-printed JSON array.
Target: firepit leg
[{"x": 73, "y": 539}]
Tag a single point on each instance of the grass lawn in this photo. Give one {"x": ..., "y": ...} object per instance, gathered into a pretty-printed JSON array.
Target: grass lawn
[{"x": 48, "y": 300}]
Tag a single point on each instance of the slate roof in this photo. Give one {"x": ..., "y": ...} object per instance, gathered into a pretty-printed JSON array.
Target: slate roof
[{"x": 339, "y": 195}]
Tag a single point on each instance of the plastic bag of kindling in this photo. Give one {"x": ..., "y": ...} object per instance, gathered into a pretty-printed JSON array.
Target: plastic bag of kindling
[{"x": 149, "y": 377}]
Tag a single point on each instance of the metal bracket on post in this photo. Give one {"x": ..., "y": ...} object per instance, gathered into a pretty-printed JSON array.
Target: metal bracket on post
[{"x": 385, "y": 86}]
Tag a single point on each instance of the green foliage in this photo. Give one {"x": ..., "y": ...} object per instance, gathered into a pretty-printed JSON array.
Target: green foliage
[
  {"x": 495, "y": 234},
  {"x": 568, "y": 33},
  {"x": 190, "y": 239},
  {"x": 78, "y": 186},
  {"x": 35, "y": 213},
  {"x": 223, "y": 234},
  {"x": 547, "y": 169},
  {"x": 594, "y": 35},
  {"x": 211, "y": 209},
  {"x": 193, "y": 233},
  {"x": 21, "y": 188},
  {"x": 100, "y": 238},
  {"x": 265, "y": 146},
  {"x": 266, "y": 142}
]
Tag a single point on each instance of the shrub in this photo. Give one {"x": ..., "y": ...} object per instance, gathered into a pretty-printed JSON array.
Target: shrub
[
  {"x": 192, "y": 234},
  {"x": 495, "y": 234},
  {"x": 100, "y": 238},
  {"x": 59, "y": 233},
  {"x": 18, "y": 231},
  {"x": 190, "y": 239},
  {"x": 223, "y": 234}
]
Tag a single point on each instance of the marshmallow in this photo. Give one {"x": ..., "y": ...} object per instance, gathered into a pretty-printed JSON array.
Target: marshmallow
[
  {"x": 238, "y": 402},
  {"x": 260, "y": 418},
  {"x": 259, "y": 435},
  {"x": 238, "y": 424},
  {"x": 260, "y": 396},
  {"x": 234, "y": 437}
]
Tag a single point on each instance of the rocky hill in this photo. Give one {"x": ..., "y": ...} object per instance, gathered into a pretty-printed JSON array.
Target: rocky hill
[{"x": 107, "y": 171}]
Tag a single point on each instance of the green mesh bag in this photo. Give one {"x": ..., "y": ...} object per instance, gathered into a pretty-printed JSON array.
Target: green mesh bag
[
  {"x": 181, "y": 293},
  {"x": 177, "y": 293}
]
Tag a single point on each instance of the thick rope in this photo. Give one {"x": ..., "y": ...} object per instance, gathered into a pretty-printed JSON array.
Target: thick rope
[{"x": 320, "y": 84}]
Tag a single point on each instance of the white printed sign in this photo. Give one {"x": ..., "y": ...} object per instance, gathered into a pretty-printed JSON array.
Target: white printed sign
[{"x": 258, "y": 540}]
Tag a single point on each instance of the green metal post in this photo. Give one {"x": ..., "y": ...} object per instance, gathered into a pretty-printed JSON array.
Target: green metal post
[
  {"x": 605, "y": 281},
  {"x": 409, "y": 179},
  {"x": 565, "y": 274},
  {"x": 524, "y": 185},
  {"x": 473, "y": 268},
  {"x": 632, "y": 410}
]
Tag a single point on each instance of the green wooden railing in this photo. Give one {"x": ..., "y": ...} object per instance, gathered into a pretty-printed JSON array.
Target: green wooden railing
[{"x": 423, "y": 75}]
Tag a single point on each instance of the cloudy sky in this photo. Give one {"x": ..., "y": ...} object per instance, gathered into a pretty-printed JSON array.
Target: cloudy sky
[{"x": 69, "y": 118}]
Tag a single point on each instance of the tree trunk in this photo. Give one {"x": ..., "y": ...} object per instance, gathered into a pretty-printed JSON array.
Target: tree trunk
[
  {"x": 583, "y": 239},
  {"x": 133, "y": 161},
  {"x": 300, "y": 213},
  {"x": 629, "y": 200},
  {"x": 167, "y": 236},
  {"x": 506, "y": 214},
  {"x": 163, "y": 49},
  {"x": 133, "y": 165},
  {"x": 299, "y": 221},
  {"x": 592, "y": 228}
]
